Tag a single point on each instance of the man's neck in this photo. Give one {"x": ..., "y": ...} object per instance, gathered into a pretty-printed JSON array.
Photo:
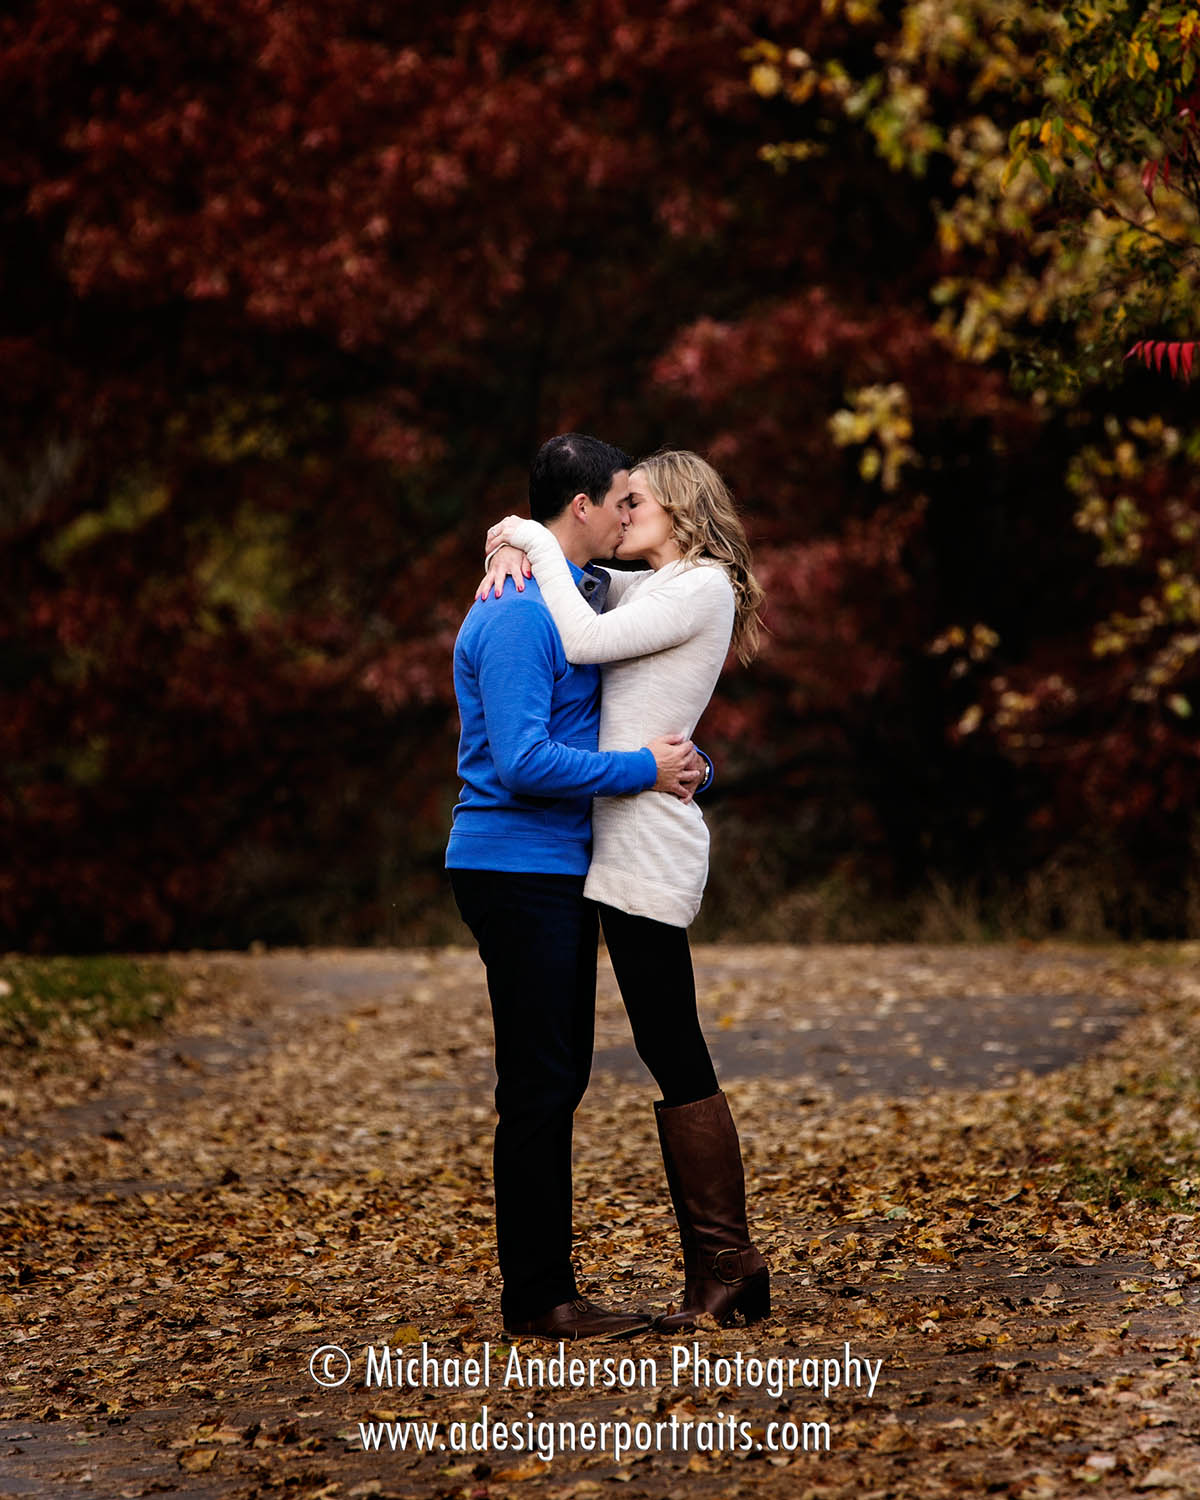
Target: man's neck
[{"x": 572, "y": 539}]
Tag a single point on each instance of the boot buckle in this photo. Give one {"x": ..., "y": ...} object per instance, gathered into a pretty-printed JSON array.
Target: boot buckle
[{"x": 739, "y": 1274}]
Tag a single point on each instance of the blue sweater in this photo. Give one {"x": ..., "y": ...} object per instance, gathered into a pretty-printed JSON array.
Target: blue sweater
[{"x": 527, "y": 753}]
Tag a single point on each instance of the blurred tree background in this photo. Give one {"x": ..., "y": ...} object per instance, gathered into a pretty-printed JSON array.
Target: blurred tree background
[{"x": 291, "y": 293}]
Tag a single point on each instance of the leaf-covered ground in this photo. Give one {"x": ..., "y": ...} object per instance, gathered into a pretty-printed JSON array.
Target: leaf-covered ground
[{"x": 977, "y": 1166}]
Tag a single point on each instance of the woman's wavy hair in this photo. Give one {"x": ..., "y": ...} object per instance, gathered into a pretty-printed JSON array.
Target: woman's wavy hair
[{"x": 706, "y": 524}]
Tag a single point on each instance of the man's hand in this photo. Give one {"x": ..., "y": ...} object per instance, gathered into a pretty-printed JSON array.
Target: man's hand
[
  {"x": 676, "y": 760},
  {"x": 507, "y": 562}
]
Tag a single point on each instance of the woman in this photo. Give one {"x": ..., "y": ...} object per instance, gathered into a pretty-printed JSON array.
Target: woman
[{"x": 663, "y": 645}]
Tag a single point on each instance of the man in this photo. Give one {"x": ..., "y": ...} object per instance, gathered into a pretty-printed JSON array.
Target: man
[{"x": 518, "y": 854}]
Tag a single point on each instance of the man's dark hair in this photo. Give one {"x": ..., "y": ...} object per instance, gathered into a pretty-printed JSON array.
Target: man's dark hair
[{"x": 568, "y": 465}]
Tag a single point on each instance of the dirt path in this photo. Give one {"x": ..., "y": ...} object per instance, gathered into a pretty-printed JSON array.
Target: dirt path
[{"x": 952, "y": 1157}]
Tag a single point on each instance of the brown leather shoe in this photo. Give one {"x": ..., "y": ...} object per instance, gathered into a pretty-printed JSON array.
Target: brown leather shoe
[{"x": 580, "y": 1319}]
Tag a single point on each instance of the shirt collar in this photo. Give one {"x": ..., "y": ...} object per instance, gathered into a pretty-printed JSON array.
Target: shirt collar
[{"x": 592, "y": 583}]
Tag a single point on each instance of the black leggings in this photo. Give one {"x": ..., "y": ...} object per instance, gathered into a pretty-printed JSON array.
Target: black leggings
[{"x": 653, "y": 965}]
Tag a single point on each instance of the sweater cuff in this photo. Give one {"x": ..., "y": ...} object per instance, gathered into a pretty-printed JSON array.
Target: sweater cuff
[
  {"x": 652, "y": 765},
  {"x": 527, "y": 535}
]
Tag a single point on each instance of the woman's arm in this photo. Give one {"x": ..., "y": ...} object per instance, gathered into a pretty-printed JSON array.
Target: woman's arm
[
  {"x": 619, "y": 580},
  {"x": 506, "y": 561},
  {"x": 656, "y": 619}
]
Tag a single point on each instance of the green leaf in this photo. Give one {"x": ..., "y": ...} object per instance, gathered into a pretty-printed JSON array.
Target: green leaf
[
  {"x": 1012, "y": 167},
  {"x": 1018, "y": 133}
]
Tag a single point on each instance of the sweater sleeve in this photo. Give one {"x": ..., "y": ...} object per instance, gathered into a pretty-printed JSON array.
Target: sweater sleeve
[
  {"x": 515, "y": 667},
  {"x": 619, "y": 580},
  {"x": 654, "y": 620}
]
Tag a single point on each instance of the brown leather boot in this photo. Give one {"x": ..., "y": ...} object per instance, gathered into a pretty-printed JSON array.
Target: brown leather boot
[{"x": 723, "y": 1273}]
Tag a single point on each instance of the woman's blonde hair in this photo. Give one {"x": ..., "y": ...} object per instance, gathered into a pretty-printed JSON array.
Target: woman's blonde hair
[{"x": 706, "y": 524}]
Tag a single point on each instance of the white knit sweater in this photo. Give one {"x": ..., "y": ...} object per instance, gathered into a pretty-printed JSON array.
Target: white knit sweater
[{"x": 662, "y": 647}]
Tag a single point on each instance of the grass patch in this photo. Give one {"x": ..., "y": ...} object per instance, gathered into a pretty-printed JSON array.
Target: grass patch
[
  {"x": 1131, "y": 1176},
  {"x": 54, "y": 1000}
]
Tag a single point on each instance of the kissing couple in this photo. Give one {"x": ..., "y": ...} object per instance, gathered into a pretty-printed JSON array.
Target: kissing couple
[{"x": 579, "y": 688}]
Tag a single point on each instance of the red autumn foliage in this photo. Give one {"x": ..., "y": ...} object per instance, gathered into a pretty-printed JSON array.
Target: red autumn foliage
[
  {"x": 1179, "y": 355},
  {"x": 291, "y": 293}
]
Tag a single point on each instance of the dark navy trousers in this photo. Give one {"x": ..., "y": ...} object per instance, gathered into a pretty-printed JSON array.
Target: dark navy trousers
[{"x": 537, "y": 936}]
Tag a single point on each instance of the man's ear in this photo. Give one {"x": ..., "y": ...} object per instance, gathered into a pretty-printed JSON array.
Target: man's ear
[{"x": 580, "y": 507}]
